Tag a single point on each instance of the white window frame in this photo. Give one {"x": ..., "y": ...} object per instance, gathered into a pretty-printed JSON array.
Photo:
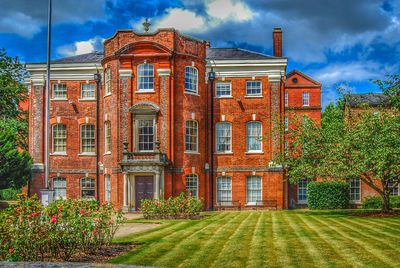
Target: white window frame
[
  {"x": 221, "y": 83},
  {"x": 286, "y": 99},
  {"x": 57, "y": 187},
  {"x": 192, "y": 184},
  {"x": 150, "y": 81},
  {"x": 305, "y": 99},
  {"x": 302, "y": 186},
  {"x": 224, "y": 195},
  {"x": 107, "y": 81},
  {"x": 59, "y": 88},
  {"x": 394, "y": 189},
  {"x": 88, "y": 188},
  {"x": 258, "y": 189},
  {"x": 286, "y": 123},
  {"x": 194, "y": 81},
  {"x": 251, "y": 87},
  {"x": 84, "y": 136},
  {"x": 59, "y": 137},
  {"x": 107, "y": 137},
  {"x": 248, "y": 124},
  {"x": 352, "y": 188},
  {"x": 225, "y": 137},
  {"x": 88, "y": 89},
  {"x": 137, "y": 127},
  {"x": 107, "y": 188},
  {"x": 188, "y": 135}
]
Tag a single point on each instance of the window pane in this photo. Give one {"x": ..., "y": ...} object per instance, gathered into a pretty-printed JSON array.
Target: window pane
[
  {"x": 59, "y": 138},
  {"x": 302, "y": 191},
  {"x": 191, "y": 79},
  {"x": 192, "y": 184},
  {"x": 146, "y": 135},
  {"x": 87, "y": 188},
  {"x": 87, "y": 139},
  {"x": 146, "y": 77},
  {"x": 253, "y": 189},
  {"x": 224, "y": 188},
  {"x": 88, "y": 91},
  {"x": 223, "y": 89},
  {"x": 59, "y": 91},
  {"x": 306, "y": 99},
  {"x": 254, "y": 136},
  {"x": 60, "y": 188},
  {"x": 191, "y": 136},
  {"x": 107, "y": 79},
  {"x": 223, "y": 137},
  {"x": 107, "y": 137},
  {"x": 355, "y": 190},
  {"x": 253, "y": 88}
]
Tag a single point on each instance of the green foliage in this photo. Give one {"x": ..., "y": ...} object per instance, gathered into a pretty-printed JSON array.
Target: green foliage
[
  {"x": 391, "y": 88},
  {"x": 15, "y": 164},
  {"x": 328, "y": 195},
  {"x": 29, "y": 232},
  {"x": 181, "y": 207},
  {"x": 375, "y": 202},
  {"x": 9, "y": 194}
]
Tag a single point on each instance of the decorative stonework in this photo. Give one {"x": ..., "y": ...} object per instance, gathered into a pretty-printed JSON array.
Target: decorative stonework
[
  {"x": 125, "y": 107},
  {"x": 152, "y": 169},
  {"x": 243, "y": 169},
  {"x": 164, "y": 114},
  {"x": 275, "y": 119},
  {"x": 37, "y": 122}
]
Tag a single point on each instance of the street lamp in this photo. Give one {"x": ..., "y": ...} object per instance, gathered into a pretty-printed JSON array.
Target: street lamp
[
  {"x": 211, "y": 78},
  {"x": 97, "y": 79}
]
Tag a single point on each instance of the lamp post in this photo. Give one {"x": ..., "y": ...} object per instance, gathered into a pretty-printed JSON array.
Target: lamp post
[
  {"x": 211, "y": 78},
  {"x": 97, "y": 79}
]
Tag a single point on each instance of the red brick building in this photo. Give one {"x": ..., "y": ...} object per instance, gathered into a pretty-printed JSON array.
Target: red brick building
[{"x": 164, "y": 127}]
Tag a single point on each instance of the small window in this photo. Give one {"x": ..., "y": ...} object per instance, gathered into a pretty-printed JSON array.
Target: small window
[
  {"x": 87, "y": 139},
  {"x": 191, "y": 141},
  {"x": 146, "y": 77},
  {"x": 253, "y": 189},
  {"x": 107, "y": 137},
  {"x": 254, "y": 137},
  {"x": 306, "y": 99},
  {"x": 286, "y": 99},
  {"x": 107, "y": 80},
  {"x": 224, "y": 189},
  {"x": 223, "y": 89},
  {"x": 286, "y": 122},
  {"x": 59, "y": 138},
  {"x": 302, "y": 191},
  {"x": 192, "y": 185},
  {"x": 355, "y": 190},
  {"x": 146, "y": 134},
  {"x": 59, "y": 91},
  {"x": 60, "y": 188},
  {"x": 253, "y": 88},
  {"x": 224, "y": 137},
  {"x": 393, "y": 188},
  {"x": 191, "y": 79},
  {"x": 87, "y": 188},
  {"x": 107, "y": 188},
  {"x": 286, "y": 148},
  {"x": 88, "y": 92}
]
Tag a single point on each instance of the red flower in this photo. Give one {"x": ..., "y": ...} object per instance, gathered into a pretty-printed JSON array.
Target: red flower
[
  {"x": 11, "y": 250},
  {"x": 94, "y": 232},
  {"x": 110, "y": 222},
  {"x": 53, "y": 219},
  {"x": 82, "y": 211},
  {"x": 84, "y": 232}
]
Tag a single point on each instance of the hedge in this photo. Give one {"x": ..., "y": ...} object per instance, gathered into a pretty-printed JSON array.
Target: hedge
[
  {"x": 9, "y": 194},
  {"x": 375, "y": 202},
  {"x": 328, "y": 195}
]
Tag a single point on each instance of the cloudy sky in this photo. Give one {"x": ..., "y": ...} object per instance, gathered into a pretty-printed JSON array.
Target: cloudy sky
[{"x": 334, "y": 41}]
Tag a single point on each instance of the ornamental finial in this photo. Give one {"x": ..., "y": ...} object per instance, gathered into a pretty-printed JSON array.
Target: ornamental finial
[{"x": 146, "y": 25}]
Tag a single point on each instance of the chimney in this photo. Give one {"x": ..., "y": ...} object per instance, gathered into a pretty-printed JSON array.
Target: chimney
[{"x": 277, "y": 41}]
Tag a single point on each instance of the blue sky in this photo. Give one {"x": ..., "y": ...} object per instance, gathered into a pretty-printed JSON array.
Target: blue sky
[{"x": 334, "y": 42}]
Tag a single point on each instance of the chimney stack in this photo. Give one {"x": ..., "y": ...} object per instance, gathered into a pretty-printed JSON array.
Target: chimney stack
[{"x": 277, "y": 41}]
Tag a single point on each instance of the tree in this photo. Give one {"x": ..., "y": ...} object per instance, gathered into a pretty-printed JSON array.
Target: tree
[{"x": 348, "y": 144}]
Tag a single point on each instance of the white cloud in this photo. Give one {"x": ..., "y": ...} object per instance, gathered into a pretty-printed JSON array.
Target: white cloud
[
  {"x": 20, "y": 23},
  {"x": 81, "y": 47},
  {"x": 181, "y": 19},
  {"x": 228, "y": 9}
]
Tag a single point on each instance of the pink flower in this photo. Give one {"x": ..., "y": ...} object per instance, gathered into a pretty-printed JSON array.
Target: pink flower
[
  {"x": 82, "y": 211},
  {"x": 94, "y": 232},
  {"x": 53, "y": 219},
  {"x": 11, "y": 250}
]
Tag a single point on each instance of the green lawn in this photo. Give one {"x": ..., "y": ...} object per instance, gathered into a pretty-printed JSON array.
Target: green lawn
[{"x": 269, "y": 239}]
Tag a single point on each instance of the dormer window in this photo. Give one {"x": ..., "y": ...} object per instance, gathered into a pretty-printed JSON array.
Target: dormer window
[{"x": 145, "y": 77}]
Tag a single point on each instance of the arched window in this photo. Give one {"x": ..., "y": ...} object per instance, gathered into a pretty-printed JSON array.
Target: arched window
[
  {"x": 87, "y": 188},
  {"x": 59, "y": 138},
  {"x": 253, "y": 189},
  {"x": 223, "y": 137},
  {"x": 87, "y": 139},
  {"x": 254, "y": 136},
  {"x": 145, "y": 77},
  {"x": 192, "y": 184},
  {"x": 107, "y": 137},
  {"x": 191, "y": 140},
  {"x": 60, "y": 188},
  {"x": 107, "y": 188},
  {"x": 191, "y": 78},
  {"x": 224, "y": 189}
]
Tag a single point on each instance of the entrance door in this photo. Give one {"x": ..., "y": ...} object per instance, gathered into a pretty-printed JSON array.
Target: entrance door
[{"x": 144, "y": 189}]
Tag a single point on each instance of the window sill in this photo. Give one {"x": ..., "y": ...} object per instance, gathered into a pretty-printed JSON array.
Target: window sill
[
  {"x": 189, "y": 152},
  {"x": 59, "y": 99},
  {"x": 254, "y": 97},
  {"x": 355, "y": 202},
  {"x": 83, "y": 100},
  {"x": 87, "y": 154},
  {"x": 59, "y": 154},
  {"x": 107, "y": 153},
  {"x": 254, "y": 152},
  {"x": 251, "y": 204},
  {"x": 144, "y": 91},
  {"x": 305, "y": 106},
  {"x": 192, "y": 93},
  {"x": 224, "y": 153},
  {"x": 301, "y": 202},
  {"x": 108, "y": 94},
  {"x": 224, "y": 97}
]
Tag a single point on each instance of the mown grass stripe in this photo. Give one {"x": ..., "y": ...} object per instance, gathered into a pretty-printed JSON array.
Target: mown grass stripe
[
  {"x": 378, "y": 259},
  {"x": 208, "y": 252},
  {"x": 257, "y": 246},
  {"x": 375, "y": 228},
  {"x": 235, "y": 250}
]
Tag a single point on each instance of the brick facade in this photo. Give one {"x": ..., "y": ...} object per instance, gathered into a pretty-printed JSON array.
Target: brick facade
[{"x": 165, "y": 168}]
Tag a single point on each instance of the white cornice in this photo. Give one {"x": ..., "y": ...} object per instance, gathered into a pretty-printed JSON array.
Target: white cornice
[
  {"x": 64, "y": 71},
  {"x": 164, "y": 72},
  {"x": 125, "y": 73}
]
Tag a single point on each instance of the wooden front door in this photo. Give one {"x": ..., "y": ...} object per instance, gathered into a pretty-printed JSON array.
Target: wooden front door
[{"x": 144, "y": 189}]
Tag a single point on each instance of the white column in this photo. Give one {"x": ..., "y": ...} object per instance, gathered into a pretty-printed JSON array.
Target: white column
[
  {"x": 129, "y": 191},
  {"x": 157, "y": 191},
  {"x": 125, "y": 192}
]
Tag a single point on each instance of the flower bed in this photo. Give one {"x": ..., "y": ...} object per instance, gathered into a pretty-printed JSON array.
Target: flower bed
[
  {"x": 29, "y": 232},
  {"x": 183, "y": 206}
]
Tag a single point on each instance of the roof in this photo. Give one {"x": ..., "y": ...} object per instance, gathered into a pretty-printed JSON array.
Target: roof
[
  {"x": 295, "y": 71},
  {"x": 235, "y": 54},
  {"x": 371, "y": 99},
  {"x": 83, "y": 58}
]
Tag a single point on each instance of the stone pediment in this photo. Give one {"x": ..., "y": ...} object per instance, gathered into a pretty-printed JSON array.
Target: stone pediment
[{"x": 145, "y": 107}]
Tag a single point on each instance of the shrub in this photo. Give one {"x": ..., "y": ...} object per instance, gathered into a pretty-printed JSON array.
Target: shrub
[
  {"x": 181, "y": 207},
  {"x": 328, "y": 195},
  {"x": 375, "y": 202},
  {"x": 9, "y": 194},
  {"x": 29, "y": 232}
]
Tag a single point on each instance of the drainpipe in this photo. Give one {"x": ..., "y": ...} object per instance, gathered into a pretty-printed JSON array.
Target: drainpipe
[
  {"x": 97, "y": 79},
  {"x": 211, "y": 78}
]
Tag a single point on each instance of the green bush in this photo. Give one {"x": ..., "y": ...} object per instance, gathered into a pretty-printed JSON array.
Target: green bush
[
  {"x": 375, "y": 202},
  {"x": 181, "y": 207},
  {"x": 9, "y": 194},
  {"x": 328, "y": 195}
]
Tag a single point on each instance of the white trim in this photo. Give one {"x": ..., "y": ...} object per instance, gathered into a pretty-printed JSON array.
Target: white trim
[
  {"x": 197, "y": 137},
  {"x": 125, "y": 73},
  {"x": 164, "y": 72},
  {"x": 187, "y": 91},
  {"x": 216, "y": 138}
]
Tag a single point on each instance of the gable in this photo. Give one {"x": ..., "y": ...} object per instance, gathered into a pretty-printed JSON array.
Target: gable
[{"x": 297, "y": 78}]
